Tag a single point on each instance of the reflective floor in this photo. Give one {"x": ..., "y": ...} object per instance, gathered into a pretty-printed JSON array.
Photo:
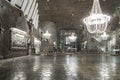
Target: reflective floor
[{"x": 75, "y": 67}]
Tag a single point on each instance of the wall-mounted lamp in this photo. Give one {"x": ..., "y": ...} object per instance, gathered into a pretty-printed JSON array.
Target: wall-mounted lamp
[{"x": 72, "y": 37}]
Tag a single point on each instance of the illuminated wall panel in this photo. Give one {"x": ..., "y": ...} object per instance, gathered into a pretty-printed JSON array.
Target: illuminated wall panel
[
  {"x": 13, "y": 2},
  {"x": 24, "y": 5},
  {"x": 28, "y": 7},
  {"x": 32, "y": 9},
  {"x": 19, "y": 2},
  {"x": 35, "y": 11}
]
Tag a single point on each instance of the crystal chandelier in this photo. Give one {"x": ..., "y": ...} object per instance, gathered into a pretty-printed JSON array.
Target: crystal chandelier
[
  {"x": 72, "y": 38},
  {"x": 104, "y": 36},
  {"x": 47, "y": 35},
  {"x": 96, "y": 22}
]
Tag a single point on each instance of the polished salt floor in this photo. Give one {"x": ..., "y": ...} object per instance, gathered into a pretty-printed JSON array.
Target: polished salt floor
[{"x": 75, "y": 67}]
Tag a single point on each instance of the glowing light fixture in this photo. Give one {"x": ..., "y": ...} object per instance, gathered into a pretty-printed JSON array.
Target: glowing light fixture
[
  {"x": 96, "y": 22},
  {"x": 104, "y": 36},
  {"x": 47, "y": 35},
  {"x": 54, "y": 43},
  {"x": 72, "y": 37},
  {"x": 48, "y": 0}
]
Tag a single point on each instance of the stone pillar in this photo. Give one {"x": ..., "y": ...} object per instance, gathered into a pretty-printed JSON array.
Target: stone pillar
[
  {"x": 31, "y": 48},
  {"x": 1, "y": 38}
]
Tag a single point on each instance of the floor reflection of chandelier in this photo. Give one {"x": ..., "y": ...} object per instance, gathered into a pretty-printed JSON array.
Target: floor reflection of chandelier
[{"x": 96, "y": 22}]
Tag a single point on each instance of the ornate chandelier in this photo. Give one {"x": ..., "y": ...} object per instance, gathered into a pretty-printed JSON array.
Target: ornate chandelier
[
  {"x": 47, "y": 35},
  {"x": 96, "y": 22},
  {"x": 72, "y": 38}
]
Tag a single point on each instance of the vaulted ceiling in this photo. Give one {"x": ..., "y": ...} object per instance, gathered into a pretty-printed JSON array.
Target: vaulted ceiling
[{"x": 69, "y": 13}]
